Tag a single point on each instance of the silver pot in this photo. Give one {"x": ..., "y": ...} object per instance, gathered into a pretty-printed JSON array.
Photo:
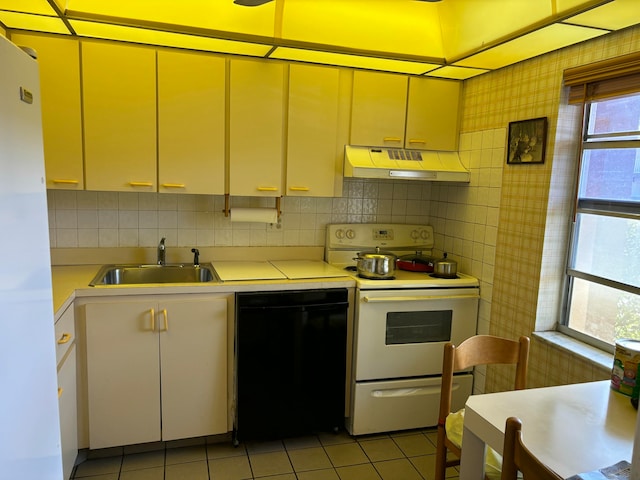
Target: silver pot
[
  {"x": 377, "y": 265},
  {"x": 445, "y": 267}
]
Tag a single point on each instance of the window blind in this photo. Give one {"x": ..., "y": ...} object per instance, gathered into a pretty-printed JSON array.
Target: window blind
[{"x": 613, "y": 77}]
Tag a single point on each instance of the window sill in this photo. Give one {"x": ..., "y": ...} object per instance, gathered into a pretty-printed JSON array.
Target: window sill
[{"x": 599, "y": 358}]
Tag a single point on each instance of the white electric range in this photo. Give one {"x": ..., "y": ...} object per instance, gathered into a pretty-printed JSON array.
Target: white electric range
[{"x": 400, "y": 328}]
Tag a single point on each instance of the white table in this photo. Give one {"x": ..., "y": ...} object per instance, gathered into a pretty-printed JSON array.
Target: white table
[{"x": 571, "y": 428}]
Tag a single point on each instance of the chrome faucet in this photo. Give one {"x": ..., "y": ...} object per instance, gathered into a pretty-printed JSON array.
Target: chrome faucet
[{"x": 162, "y": 252}]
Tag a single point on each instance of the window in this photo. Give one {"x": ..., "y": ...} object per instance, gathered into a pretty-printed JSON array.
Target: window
[{"x": 603, "y": 287}]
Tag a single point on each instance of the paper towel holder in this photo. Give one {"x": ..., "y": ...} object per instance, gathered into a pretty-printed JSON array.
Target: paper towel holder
[{"x": 227, "y": 206}]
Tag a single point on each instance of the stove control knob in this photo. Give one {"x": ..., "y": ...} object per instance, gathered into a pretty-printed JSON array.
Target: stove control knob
[
  {"x": 424, "y": 234},
  {"x": 340, "y": 234},
  {"x": 415, "y": 234},
  {"x": 351, "y": 234}
]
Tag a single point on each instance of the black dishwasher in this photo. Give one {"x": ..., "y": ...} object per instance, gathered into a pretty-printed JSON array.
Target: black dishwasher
[{"x": 291, "y": 349}]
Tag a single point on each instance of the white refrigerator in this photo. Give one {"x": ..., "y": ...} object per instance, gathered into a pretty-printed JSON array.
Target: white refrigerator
[{"x": 29, "y": 418}]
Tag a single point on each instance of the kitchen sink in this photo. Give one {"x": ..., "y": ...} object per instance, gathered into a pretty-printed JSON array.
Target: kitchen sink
[{"x": 144, "y": 274}]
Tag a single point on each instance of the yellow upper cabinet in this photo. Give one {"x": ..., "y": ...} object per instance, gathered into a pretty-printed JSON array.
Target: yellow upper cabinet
[
  {"x": 379, "y": 106},
  {"x": 432, "y": 114},
  {"x": 313, "y": 160},
  {"x": 191, "y": 123},
  {"x": 256, "y": 127},
  {"x": 59, "y": 61},
  {"x": 398, "y": 111},
  {"x": 119, "y": 93}
]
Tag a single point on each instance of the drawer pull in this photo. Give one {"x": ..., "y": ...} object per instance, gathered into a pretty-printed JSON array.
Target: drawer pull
[
  {"x": 64, "y": 338},
  {"x": 299, "y": 189},
  {"x": 60, "y": 389},
  {"x": 141, "y": 184},
  {"x": 173, "y": 185},
  {"x": 417, "y": 140},
  {"x": 65, "y": 181},
  {"x": 392, "y": 139},
  {"x": 267, "y": 189},
  {"x": 166, "y": 320},
  {"x": 153, "y": 319}
]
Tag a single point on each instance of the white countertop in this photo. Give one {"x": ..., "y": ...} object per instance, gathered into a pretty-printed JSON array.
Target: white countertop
[
  {"x": 571, "y": 428},
  {"x": 70, "y": 282}
]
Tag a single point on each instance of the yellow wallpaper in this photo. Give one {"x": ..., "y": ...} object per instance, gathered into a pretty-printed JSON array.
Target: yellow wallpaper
[{"x": 534, "y": 203}]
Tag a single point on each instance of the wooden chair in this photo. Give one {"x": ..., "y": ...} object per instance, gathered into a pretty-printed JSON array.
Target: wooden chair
[
  {"x": 516, "y": 456},
  {"x": 477, "y": 350}
]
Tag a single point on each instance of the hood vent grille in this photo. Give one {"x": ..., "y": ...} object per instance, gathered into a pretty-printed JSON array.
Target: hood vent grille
[
  {"x": 401, "y": 154},
  {"x": 399, "y": 163}
]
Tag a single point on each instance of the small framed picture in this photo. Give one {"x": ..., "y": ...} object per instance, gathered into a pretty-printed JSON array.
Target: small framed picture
[{"x": 527, "y": 141}]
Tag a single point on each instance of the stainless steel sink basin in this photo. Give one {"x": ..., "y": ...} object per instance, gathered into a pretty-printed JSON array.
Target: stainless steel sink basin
[{"x": 144, "y": 274}]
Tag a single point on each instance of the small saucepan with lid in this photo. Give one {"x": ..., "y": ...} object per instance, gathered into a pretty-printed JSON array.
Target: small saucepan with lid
[
  {"x": 376, "y": 265},
  {"x": 415, "y": 262},
  {"x": 445, "y": 267}
]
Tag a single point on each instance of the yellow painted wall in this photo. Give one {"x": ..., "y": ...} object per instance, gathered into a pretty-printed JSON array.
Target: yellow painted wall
[{"x": 534, "y": 202}]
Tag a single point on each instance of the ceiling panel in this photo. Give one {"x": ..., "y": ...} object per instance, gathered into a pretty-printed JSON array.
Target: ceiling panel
[
  {"x": 40, "y": 7},
  {"x": 536, "y": 43},
  {"x": 613, "y": 16},
  {"x": 357, "y": 61},
  {"x": 457, "y": 73},
  {"x": 166, "y": 39},
  {"x": 221, "y": 15},
  {"x": 36, "y": 23},
  {"x": 408, "y": 27}
]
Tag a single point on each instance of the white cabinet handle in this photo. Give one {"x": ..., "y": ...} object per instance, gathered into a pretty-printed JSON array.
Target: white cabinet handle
[
  {"x": 392, "y": 139},
  {"x": 141, "y": 184},
  {"x": 299, "y": 189},
  {"x": 153, "y": 319},
  {"x": 173, "y": 185}
]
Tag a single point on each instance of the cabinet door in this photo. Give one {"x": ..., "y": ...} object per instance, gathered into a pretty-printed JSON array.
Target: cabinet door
[
  {"x": 59, "y": 62},
  {"x": 256, "y": 115},
  {"x": 378, "y": 109},
  {"x": 67, "y": 405},
  {"x": 193, "y": 351},
  {"x": 432, "y": 118},
  {"x": 313, "y": 130},
  {"x": 191, "y": 123},
  {"x": 119, "y": 93},
  {"x": 123, "y": 373}
]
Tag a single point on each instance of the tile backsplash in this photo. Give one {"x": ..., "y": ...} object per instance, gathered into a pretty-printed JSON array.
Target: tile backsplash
[{"x": 112, "y": 219}]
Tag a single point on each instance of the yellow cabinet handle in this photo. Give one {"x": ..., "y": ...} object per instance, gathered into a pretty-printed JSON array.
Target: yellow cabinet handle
[
  {"x": 153, "y": 320},
  {"x": 64, "y": 338},
  {"x": 141, "y": 184},
  {"x": 299, "y": 189},
  {"x": 267, "y": 189},
  {"x": 173, "y": 185},
  {"x": 60, "y": 389},
  {"x": 417, "y": 140},
  {"x": 392, "y": 139},
  {"x": 65, "y": 181},
  {"x": 166, "y": 320}
]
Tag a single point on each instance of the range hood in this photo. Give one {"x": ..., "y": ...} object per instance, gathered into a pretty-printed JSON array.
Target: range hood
[{"x": 404, "y": 164}]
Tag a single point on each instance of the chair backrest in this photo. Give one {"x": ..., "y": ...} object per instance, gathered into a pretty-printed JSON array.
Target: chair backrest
[
  {"x": 516, "y": 456},
  {"x": 482, "y": 350}
]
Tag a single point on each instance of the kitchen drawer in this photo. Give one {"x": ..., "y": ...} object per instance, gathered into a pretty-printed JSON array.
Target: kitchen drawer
[
  {"x": 65, "y": 333},
  {"x": 403, "y": 404}
]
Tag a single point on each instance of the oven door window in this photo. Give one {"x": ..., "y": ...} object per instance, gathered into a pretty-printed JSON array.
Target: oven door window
[{"x": 418, "y": 327}]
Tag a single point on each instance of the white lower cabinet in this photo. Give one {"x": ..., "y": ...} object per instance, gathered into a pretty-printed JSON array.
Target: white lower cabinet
[
  {"x": 67, "y": 403},
  {"x": 156, "y": 369}
]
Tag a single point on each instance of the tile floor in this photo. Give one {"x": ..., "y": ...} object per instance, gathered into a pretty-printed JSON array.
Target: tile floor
[{"x": 399, "y": 456}]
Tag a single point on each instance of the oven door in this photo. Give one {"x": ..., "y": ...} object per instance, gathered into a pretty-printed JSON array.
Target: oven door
[{"x": 401, "y": 333}]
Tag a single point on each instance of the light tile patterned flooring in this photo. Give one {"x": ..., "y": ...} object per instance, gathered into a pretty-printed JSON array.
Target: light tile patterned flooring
[{"x": 399, "y": 456}]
